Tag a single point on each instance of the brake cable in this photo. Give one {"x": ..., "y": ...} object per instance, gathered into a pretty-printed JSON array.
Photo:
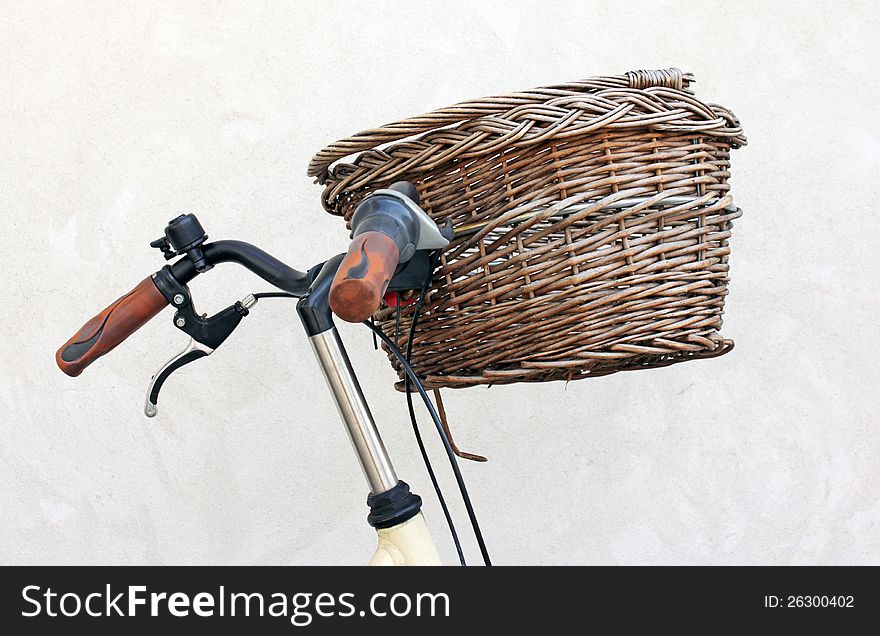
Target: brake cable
[
  {"x": 412, "y": 414},
  {"x": 411, "y": 376}
]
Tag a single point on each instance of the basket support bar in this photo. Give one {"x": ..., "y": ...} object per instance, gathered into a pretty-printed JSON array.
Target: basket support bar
[{"x": 466, "y": 230}]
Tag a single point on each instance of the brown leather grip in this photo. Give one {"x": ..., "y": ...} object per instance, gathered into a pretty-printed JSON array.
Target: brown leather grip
[
  {"x": 113, "y": 325},
  {"x": 363, "y": 276}
]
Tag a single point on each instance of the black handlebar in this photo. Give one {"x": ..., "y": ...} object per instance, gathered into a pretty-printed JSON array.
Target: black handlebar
[{"x": 253, "y": 258}]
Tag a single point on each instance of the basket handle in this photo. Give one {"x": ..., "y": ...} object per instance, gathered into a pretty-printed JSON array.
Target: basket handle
[
  {"x": 665, "y": 78},
  {"x": 320, "y": 164}
]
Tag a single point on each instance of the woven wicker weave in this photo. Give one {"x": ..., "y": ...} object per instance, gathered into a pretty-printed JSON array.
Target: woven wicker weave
[{"x": 592, "y": 222}]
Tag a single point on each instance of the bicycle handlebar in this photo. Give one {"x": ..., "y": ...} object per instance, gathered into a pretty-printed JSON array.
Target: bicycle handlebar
[
  {"x": 387, "y": 233},
  {"x": 110, "y": 327},
  {"x": 261, "y": 263},
  {"x": 130, "y": 312}
]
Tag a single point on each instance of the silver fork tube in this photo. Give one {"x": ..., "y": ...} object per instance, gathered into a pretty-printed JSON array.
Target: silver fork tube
[{"x": 354, "y": 410}]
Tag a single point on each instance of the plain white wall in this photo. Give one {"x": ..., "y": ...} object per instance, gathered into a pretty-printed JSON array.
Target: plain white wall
[{"x": 117, "y": 116}]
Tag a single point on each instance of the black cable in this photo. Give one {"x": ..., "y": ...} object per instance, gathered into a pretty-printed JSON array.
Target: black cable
[
  {"x": 434, "y": 482},
  {"x": 450, "y": 454},
  {"x": 273, "y": 295},
  {"x": 414, "y": 421},
  {"x": 375, "y": 340},
  {"x": 435, "y": 257}
]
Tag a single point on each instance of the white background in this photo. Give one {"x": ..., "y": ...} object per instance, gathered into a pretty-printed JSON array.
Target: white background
[{"x": 117, "y": 116}]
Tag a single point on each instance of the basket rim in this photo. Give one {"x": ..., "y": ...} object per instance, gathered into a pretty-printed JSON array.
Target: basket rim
[{"x": 658, "y": 99}]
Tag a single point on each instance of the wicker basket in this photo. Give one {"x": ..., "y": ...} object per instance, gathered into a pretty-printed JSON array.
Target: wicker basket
[{"x": 592, "y": 222}]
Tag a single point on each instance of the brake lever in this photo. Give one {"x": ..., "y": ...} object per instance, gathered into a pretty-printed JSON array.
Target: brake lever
[
  {"x": 206, "y": 334},
  {"x": 192, "y": 352}
]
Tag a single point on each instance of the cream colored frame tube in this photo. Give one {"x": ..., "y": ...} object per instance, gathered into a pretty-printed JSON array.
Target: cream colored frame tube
[{"x": 408, "y": 543}]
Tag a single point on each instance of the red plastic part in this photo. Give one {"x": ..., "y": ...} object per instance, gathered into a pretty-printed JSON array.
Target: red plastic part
[{"x": 395, "y": 299}]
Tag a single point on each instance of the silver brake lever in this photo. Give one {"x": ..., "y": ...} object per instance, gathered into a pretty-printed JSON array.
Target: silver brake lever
[{"x": 193, "y": 351}]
